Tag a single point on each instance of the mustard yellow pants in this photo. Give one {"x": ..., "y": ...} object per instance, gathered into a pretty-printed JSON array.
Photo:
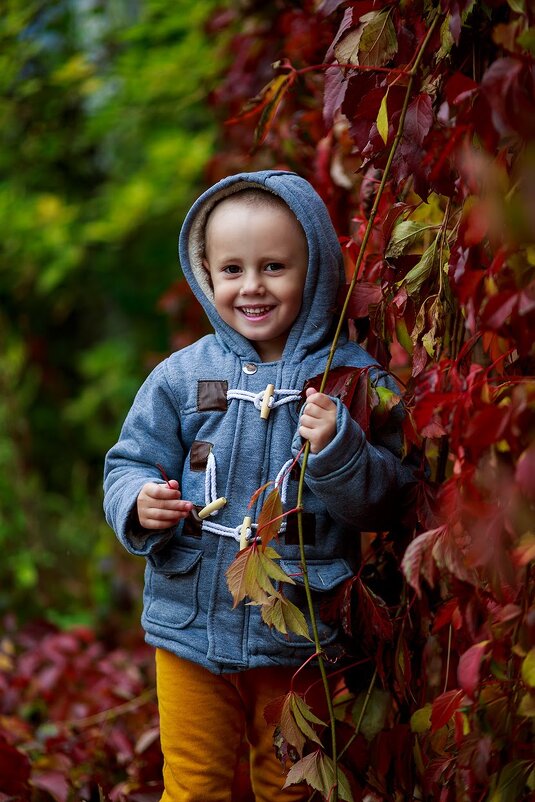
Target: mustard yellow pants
[{"x": 203, "y": 719}]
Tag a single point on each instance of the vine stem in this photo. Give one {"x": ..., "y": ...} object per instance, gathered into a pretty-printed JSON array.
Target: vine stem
[
  {"x": 334, "y": 345},
  {"x": 112, "y": 712}
]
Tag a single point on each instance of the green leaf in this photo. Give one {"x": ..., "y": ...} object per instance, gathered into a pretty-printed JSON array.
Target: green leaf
[
  {"x": 347, "y": 49},
  {"x": 518, "y": 5},
  {"x": 526, "y": 40},
  {"x": 387, "y": 400},
  {"x": 302, "y": 714},
  {"x": 272, "y": 569},
  {"x": 512, "y": 781},
  {"x": 377, "y": 709},
  {"x": 421, "y": 271},
  {"x": 528, "y": 668},
  {"x": 279, "y": 612},
  {"x": 289, "y": 729},
  {"x": 404, "y": 236},
  {"x": 378, "y": 43},
  {"x": 317, "y": 769},
  {"x": 382, "y": 119}
]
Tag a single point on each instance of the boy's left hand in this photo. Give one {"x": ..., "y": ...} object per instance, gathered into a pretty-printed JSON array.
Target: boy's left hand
[{"x": 318, "y": 420}]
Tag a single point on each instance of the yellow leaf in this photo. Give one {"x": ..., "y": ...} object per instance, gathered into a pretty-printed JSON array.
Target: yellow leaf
[
  {"x": 246, "y": 576},
  {"x": 382, "y": 119},
  {"x": 527, "y": 706},
  {"x": 421, "y": 719},
  {"x": 528, "y": 668}
]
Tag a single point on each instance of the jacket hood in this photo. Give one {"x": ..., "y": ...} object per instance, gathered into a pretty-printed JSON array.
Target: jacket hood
[{"x": 325, "y": 272}]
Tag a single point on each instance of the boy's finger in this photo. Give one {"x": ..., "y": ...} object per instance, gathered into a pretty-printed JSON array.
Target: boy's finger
[
  {"x": 321, "y": 400},
  {"x": 156, "y": 490}
]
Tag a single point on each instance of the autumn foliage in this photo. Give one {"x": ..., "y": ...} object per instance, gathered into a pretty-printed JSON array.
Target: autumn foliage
[{"x": 415, "y": 121}]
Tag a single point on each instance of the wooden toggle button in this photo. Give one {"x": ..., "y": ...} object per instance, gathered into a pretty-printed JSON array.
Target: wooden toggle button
[
  {"x": 265, "y": 409},
  {"x": 215, "y": 505},
  {"x": 243, "y": 531}
]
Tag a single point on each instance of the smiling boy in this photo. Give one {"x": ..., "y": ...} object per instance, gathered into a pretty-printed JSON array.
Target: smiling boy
[{"x": 260, "y": 253}]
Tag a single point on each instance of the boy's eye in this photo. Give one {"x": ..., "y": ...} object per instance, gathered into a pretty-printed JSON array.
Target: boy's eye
[
  {"x": 272, "y": 267},
  {"x": 232, "y": 269}
]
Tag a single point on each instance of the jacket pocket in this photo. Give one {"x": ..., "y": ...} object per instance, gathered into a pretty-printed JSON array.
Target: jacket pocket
[
  {"x": 171, "y": 586},
  {"x": 324, "y": 577}
]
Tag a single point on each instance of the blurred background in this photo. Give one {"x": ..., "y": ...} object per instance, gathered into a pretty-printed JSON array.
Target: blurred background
[
  {"x": 114, "y": 118},
  {"x": 106, "y": 132}
]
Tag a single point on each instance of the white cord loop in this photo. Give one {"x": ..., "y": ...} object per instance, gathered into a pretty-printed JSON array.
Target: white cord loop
[
  {"x": 246, "y": 395},
  {"x": 283, "y": 477}
]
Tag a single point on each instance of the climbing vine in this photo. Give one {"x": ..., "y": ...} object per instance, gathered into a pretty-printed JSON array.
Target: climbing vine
[{"x": 415, "y": 122}]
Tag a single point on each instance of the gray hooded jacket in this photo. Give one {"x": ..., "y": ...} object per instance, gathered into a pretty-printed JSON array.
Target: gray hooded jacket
[{"x": 198, "y": 415}]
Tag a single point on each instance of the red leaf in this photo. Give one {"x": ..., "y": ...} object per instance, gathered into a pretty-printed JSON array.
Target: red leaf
[
  {"x": 485, "y": 428},
  {"x": 273, "y": 711},
  {"x": 364, "y": 295},
  {"x": 14, "y": 770},
  {"x": 352, "y": 387},
  {"x": 334, "y": 93},
  {"x": 372, "y": 615},
  {"x": 54, "y": 783},
  {"x": 269, "y": 520},
  {"x": 458, "y": 86},
  {"x": 525, "y": 472},
  {"x": 445, "y": 614},
  {"x": 418, "y": 558},
  {"x": 469, "y": 668},
  {"x": 444, "y": 707},
  {"x": 419, "y": 118},
  {"x": 498, "y": 308}
]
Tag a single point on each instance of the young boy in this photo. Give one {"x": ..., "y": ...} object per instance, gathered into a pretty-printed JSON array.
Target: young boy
[{"x": 261, "y": 255}]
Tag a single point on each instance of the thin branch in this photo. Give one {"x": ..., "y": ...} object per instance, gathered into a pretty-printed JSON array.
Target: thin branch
[
  {"x": 341, "y": 321},
  {"x": 112, "y": 712}
]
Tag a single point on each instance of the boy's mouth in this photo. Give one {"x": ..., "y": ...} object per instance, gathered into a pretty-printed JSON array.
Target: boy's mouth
[{"x": 255, "y": 312}]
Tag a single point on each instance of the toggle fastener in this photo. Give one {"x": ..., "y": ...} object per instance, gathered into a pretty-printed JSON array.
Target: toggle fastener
[
  {"x": 245, "y": 531},
  {"x": 212, "y": 507},
  {"x": 267, "y": 401}
]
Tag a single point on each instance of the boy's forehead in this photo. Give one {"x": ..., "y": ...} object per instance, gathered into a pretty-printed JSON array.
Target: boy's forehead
[{"x": 238, "y": 207}]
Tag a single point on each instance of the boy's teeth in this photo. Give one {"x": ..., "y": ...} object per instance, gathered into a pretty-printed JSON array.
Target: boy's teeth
[{"x": 256, "y": 311}]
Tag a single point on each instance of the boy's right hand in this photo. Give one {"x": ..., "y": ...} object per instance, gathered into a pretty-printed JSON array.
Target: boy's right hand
[{"x": 160, "y": 506}]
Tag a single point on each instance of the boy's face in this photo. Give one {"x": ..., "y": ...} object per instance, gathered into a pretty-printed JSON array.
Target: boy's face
[{"x": 257, "y": 257}]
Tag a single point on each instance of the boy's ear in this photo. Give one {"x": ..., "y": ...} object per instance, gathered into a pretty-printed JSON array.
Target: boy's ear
[{"x": 206, "y": 267}]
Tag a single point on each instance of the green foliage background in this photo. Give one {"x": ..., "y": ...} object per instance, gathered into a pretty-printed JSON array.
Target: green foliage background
[{"x": 104, "y": 137}]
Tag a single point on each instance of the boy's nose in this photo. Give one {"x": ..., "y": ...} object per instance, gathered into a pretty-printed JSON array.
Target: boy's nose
[{"x": 252, "y": 284}]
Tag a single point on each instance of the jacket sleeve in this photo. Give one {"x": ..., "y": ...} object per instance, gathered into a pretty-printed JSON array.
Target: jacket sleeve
[
  {"x": 362, "y": 484},
  {"x": 150, "y": 435}
]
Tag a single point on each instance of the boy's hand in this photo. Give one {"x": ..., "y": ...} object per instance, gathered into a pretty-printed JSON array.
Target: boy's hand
[
  {"x": 318, "y": 420},
  {"x": 159, "y": 506}
]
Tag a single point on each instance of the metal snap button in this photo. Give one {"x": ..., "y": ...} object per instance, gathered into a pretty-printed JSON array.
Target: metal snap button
[{"x": 249, "y": 368}]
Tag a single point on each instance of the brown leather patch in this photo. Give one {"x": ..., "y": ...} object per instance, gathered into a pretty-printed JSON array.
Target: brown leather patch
[
  {"x": 198, "y": 456},
  {"x": 211, "y": 395},
  {"x": 192, "y": 526},
  {"x": 291, "y": 536}
]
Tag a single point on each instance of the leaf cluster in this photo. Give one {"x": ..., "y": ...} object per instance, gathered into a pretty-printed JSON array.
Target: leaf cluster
[
  {"x": 415, "y": 123},
  {"x": 78, "y": 719}
]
